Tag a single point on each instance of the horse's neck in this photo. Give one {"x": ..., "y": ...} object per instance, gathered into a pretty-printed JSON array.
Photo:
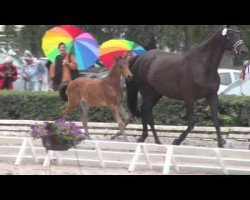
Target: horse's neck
[
  {"x": 114, "y": 77},
  {"x": 211, "y": 52}
]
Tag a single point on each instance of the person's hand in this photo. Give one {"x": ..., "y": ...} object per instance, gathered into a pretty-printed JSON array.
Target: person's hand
[
  {"x": 65, "y": 62},
  {"x": 2, "y": 75},
  {"x": 40, "y": 80},
  {"x": 241, "y": 75},
  {"x": 51, "y": 85}
]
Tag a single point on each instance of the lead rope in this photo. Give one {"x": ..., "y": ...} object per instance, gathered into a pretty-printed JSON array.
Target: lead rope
[
  {"x": 78, "y": 162},
  {"x": 48, "y": 166}
]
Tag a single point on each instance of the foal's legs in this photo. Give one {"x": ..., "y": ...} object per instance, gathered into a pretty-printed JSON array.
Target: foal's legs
[
  {"x": 213, "y": 103},
  {"x": 85, "y": 108},
  {"x": 68, "y": 107},
  {"x": 149, "y": 101},
  {"x": 190, "y": 115},
  {"x": 73, "y": 102},
  {"x": 115, "y": 112},
  {"x": 125, "y": 116}
]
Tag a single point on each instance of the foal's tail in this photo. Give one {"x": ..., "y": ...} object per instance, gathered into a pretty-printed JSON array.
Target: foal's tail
[
  {"x": 132, "y": 91},
  {"x": 62, "y": 90}
]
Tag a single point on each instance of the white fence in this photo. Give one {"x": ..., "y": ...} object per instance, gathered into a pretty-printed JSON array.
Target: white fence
[{"x": 131, "y": 156}]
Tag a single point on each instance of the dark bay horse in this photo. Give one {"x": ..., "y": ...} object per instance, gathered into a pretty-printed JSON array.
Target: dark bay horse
[
  {"x": 186, "y": 77},
  {"x": 87, "y": 93}
]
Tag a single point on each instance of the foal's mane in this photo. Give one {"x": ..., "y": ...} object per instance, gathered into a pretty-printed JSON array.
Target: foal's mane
[{"x": 112, "y": 69}]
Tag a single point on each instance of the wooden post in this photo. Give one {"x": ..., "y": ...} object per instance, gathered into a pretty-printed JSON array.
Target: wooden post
[
  {"x": 21, "y": 152},
  {"x": 135, "y": 158},
  {"x": 168, "y": 160},
  {"x": 145, "y": 152},
  {"x": 98, "y": 150},
  {"x": 30, "y": 144},
  {"x": 221, "y": 162}
]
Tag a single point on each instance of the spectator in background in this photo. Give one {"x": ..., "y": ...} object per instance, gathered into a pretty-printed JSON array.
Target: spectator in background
[
  {"x": 63, "y": 69},
  {"x": 32, "y": 73},
  {"x": 8, "y": 74},
  {"x": 128, "y": 55}
]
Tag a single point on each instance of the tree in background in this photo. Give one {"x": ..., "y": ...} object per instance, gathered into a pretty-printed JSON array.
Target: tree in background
[
  {"x": 176, "y": 38},
  {"x": 9, "y": 38},
  {"x": 30, "y": 38}
]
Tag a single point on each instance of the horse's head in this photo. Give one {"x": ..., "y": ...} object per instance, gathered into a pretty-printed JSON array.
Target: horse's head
[
  {"x": 233, "y": 41},
  {"x": 122, "y": 66}
]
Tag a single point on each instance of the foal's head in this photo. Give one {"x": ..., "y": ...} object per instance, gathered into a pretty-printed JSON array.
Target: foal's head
[
  {"x": 233, "y": 41},
  {"x": 122, "y": 66}
]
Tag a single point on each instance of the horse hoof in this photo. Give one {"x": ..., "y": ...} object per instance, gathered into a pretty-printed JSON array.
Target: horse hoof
[
  {"x": 89, "y": 138},
  {"x": 221, "y": 143},
  {"x": 176, "y": 142},
  {"x": 158, "y": 142},
  {"x": 141, "y": 139}
]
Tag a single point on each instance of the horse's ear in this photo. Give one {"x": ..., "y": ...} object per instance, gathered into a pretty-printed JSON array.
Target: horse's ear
[{"x": 224, "y": 30}]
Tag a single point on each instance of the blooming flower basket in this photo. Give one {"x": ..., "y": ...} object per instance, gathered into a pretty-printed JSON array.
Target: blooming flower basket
[{"x": 58, "y": 136}]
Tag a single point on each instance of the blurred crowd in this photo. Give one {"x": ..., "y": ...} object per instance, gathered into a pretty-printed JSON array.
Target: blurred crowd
[{"x": 31, "y": 74}]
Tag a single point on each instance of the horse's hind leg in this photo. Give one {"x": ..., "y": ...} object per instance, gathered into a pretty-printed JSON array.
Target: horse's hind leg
[
  {"x": 213, "y": 103},
  {"x": 65, "y": 109},
  {"x": 62, "y": 108},
  {"x": 85, "y": 108},
  {"x": 73, "y": 102},
  {"x": 190, "y": 115}
]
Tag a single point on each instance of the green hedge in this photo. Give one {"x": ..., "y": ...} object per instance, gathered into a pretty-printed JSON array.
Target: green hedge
[{"x": 233, "y": 110}]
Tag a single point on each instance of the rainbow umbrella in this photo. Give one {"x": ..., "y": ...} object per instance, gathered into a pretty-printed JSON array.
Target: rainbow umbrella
[
  {"x": 117, "y": 47},
  {"x": 79, "y": 42}
]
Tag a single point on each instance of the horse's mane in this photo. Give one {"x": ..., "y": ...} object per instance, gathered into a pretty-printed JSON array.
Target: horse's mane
[{"x": 204, "y": 43}]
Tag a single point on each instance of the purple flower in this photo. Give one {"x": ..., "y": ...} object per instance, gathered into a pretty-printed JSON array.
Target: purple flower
[
  {"x": 60, "y": 127},
  {"x": 60, "y": 121},
  {"x": 34, "y": 128},
  {"x": 72, "y": 125},
  {"x": 46, "y": 126}
]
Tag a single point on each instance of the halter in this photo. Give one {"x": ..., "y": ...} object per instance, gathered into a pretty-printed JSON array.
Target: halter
[{"x": 238, "y": 43}]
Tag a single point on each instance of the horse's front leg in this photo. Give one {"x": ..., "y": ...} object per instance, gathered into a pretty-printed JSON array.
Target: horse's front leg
[
  {"x": 213, "y": 103},
  {"x": 85, "y": 108},
  {"x": 115, "y": 112},
  {"x": 126, "y": 116}
]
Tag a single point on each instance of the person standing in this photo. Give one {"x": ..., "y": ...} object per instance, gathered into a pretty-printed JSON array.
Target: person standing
[
  {"x": 8, "y": 74},
  {"x": 245, "y": 70},
  {"x": 63, "y": 69},
  {"x": 32, "y": 73}
]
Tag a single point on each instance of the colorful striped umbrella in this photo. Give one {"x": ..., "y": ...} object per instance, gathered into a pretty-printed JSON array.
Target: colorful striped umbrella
[
  {"x": 79, "y": 42},
  {"x": 117, "y": 47}
]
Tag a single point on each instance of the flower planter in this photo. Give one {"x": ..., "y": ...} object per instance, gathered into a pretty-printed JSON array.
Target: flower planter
[
  {"x": 56, "y": 143},
  {"x": 58, "y": 136}
]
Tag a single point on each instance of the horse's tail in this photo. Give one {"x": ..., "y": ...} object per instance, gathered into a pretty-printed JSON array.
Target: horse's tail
[
  {"x": 62, "y": 90},
  {"x": 132, "y": 91}
]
